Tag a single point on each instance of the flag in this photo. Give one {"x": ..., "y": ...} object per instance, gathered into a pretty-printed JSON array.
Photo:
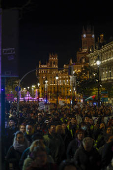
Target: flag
[{"x": 90, "y": 98}]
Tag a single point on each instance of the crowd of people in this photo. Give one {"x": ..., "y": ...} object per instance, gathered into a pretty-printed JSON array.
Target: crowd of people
[{"x": 60, "y": 138}]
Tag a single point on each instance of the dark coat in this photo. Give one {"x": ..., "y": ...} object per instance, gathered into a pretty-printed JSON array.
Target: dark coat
[
  {"x": 24, "y": 156},
  {"x": 72, "y": 147},
  {"x": 107, "y": 154},
  {"x": 9, "y": 136},
  {"x": 56, "y": 145},
  {"x": 87, "y": 160},
  {"x": 13, "y": 156}
]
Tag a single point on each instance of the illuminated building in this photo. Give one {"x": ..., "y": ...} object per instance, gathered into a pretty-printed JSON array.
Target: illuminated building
[
  {"x": 88, "y": 43},
  {"x": 105, "y": 54},
  {"x": 46, "y": 75}
]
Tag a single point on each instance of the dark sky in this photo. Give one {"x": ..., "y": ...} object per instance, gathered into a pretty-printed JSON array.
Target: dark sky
[{"x": 56, "y": 26}]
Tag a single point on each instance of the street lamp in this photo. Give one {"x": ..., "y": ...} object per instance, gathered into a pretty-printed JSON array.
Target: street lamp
[
  {"x": 46, "y": 81},
  {"x": 57, "y": 89},
  {"x": 98, "y": 62},
  {"x": 38, "y": 92}
]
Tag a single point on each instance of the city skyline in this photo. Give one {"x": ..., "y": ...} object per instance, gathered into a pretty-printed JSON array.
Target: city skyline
[{"x": 56, "y": 27}]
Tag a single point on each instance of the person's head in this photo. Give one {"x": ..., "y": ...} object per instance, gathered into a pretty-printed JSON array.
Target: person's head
[
  {"x": 52, "y": 129},
  {"x": 37, "y": 136},
  {"x": 64, "y": 125},
  {"x": 38, "y": 127},
  {"x": 19, "y": 137},
  {"x": 59, "y": 129},
  {"x": 83, "y": 126},
  {"x": 88, "y": 144},
  {"x": 109, "y": 130},
  {"x": 29, "y": 129},
  {"x": 102, "y": 126},
  {"x": 40, "y": 155},
  {"x": 68, "y": 165},
  {"x": 36, "y": 143},
  {"x": 73, "y": 120},
  {"x": 91, "y": 121},
  {"x": 80, "y": 134},
  {"x": 86, "y": 120},
  {"x": 22, "y": 128},
  {"x": 39, "y": 118},
  {"x": 11, "y": 122}
]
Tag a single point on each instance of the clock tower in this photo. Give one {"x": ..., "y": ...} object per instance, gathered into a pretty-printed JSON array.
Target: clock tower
[
  {"x": 88, "y": 42},
  {"x": 88, "y": 38}
]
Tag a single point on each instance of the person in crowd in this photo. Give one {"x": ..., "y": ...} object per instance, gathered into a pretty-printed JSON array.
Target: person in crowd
[
  {"x": 100, "y": 133},
  {"x": 22, "y": 128},
  {"x": 39, "y": 119},
  {"x": 14, "y": 153},
  {"x": 74, "y": 125},
  {"x": 86, "y": 156},
  {"x": 85, "y": 128},
  {"x": 37, "y": 141},
  {"x": 38, "y": 160},
  {"x": 29, "y": 132},
  {"x": 75, "y": 144},
  {"x": 68, "y": 165},
  {"x": 79, "y": 117},
  {"x": 66, "y": 135},
  {"x": 55, "y": 143},
  {"x": 110, "y": 123},
  {"x": 9, "y": 133},
  {"x": 109, "y": 130},
  {"x": 106, "y": 151}
]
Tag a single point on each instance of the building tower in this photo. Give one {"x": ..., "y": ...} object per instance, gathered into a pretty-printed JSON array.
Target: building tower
[
  {"x": 88, "y": 42},
  {"x": 53, "y": 61},
  {"x": 88, "y": 38}
]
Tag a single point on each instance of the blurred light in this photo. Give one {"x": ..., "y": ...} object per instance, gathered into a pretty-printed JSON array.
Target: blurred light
[
  {"x": 46, "y": 81},
  {"x": 56, "y": 77},
  {"x": 38, "y": 84},
  {"x": 98, "y": 62}
]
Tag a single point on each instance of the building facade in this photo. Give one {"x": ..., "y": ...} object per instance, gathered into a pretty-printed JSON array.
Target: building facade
[
  {"x": 105, "y": 54},
  {"x": 65, "y": 85},
  {"x": 48, "y": 84}
]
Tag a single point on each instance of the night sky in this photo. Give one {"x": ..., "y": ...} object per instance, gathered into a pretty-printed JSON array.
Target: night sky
[{"x": 56, "y": 27}]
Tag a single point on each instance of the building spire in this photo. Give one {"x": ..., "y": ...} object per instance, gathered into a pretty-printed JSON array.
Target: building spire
[
  {"x": 83, "y": 31},
  {"x": 93, "y": 30}
]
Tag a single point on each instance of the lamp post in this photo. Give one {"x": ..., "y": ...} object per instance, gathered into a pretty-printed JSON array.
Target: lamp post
[
  {"x": 57, "y": 89},
  {"x": 46, "y": 81},
  {"x": 98, "y": 62},
  {"x": 38, "y": 92}
]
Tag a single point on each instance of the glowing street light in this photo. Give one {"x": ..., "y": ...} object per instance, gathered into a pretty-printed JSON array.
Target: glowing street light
[
  {"x": 46, "y": 81},
  {"x": 57, "y": 89},
  {"x": 98, "y": 62}
]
